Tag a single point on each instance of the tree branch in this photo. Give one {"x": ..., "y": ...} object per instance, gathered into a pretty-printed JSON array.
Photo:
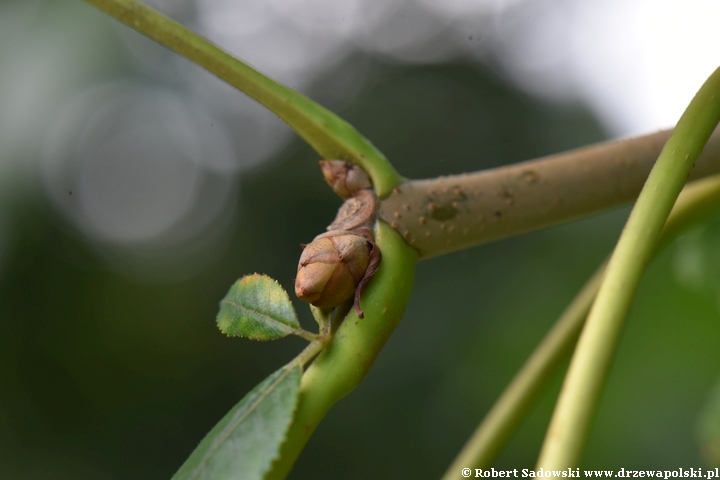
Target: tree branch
[{"x": 452, "y": 213}]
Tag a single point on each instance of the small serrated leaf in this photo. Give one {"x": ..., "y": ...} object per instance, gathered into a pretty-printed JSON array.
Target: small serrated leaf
[
  {"x": 257, "y": 307},
  {"x": 248, "y": 438}
]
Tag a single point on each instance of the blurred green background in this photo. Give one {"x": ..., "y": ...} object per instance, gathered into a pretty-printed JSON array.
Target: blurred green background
[{"x": 111, "y": 365}]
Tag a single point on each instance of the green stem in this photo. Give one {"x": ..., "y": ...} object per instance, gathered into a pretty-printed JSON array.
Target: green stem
[
  {"x": 353, "y": 349},
  {"x": 515, "y": 402},
  {"x": 305, "y": 335},
  {"x": 697, "y": 202},
  {"x": 309, "y": 352},
  {"x": 327, "y": 133},
  {"x": 323, "y": 317},
  {"x": 589, "y": 367}
]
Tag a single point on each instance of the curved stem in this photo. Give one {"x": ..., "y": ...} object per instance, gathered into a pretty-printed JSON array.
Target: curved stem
[
  {"x": 515, "y": 402},
  {"x": 305, "y": 335},
  {"x": 589, "y": 367},
  {"x": 309, "y": 352},
  {"x": 327, "y": 133},
  {"x": 697, "y": 202},
  {"x": 452, "y": 213},
  {"x": 354, "y": 346}
]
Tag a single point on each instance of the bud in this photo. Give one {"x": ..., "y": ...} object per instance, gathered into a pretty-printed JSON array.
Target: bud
[
  {"x": 356, "y": 213},
  {"x": 332, "y": 267},
  {"x": 344, "y": 178}
]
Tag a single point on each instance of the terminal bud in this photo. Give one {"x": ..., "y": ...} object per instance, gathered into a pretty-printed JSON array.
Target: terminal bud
[{"x": 344, "y": 178}]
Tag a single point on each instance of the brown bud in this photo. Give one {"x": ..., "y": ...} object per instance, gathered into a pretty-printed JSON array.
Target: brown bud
[
  {"x": 331, "y": 268},
  {"x": 344, "y": 178},
  {"x": 356, "y": 213}
]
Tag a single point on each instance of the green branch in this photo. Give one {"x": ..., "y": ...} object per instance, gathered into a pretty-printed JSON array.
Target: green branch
[
  {"x": 328, "y": 134},
  {"x": 354, "y": 347},
  {"x": 516, "y": 401},
  {"x": 589, "y": 367},
  {"x": 697, "y": 202}
]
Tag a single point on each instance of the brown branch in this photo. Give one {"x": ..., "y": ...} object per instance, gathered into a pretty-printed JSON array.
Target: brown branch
[{"x": 452, "y": 213}]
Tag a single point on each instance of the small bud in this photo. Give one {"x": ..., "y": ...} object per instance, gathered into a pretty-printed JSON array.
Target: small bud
[
  {"x": 356, "y": 213},
  {"x": 344, "y": 178},
  {"x": 331, "y": 268}
]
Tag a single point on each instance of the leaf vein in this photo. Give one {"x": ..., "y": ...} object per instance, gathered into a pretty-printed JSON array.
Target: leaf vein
[
  {"x": 234, "y": 425},
  {"x": 267, "y": 317}
]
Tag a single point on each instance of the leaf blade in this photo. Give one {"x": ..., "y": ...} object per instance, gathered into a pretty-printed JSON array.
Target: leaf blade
[
  {"x": 257, "y": 307},
  {"x": 245, "y": 442}
]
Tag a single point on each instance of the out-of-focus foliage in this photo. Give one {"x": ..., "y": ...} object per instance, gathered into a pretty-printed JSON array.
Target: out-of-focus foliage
[
  {"x": 111, "y": 365},
  {"x": 708, "y": 428}
]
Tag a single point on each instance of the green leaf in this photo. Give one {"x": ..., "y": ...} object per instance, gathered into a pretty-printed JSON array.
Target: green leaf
[
  {"x": 245, "y": 442},
  {"x": 257, "y": 307}
]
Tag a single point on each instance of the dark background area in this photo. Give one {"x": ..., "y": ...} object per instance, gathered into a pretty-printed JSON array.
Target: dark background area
[{"x": 114, "y": 372}]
